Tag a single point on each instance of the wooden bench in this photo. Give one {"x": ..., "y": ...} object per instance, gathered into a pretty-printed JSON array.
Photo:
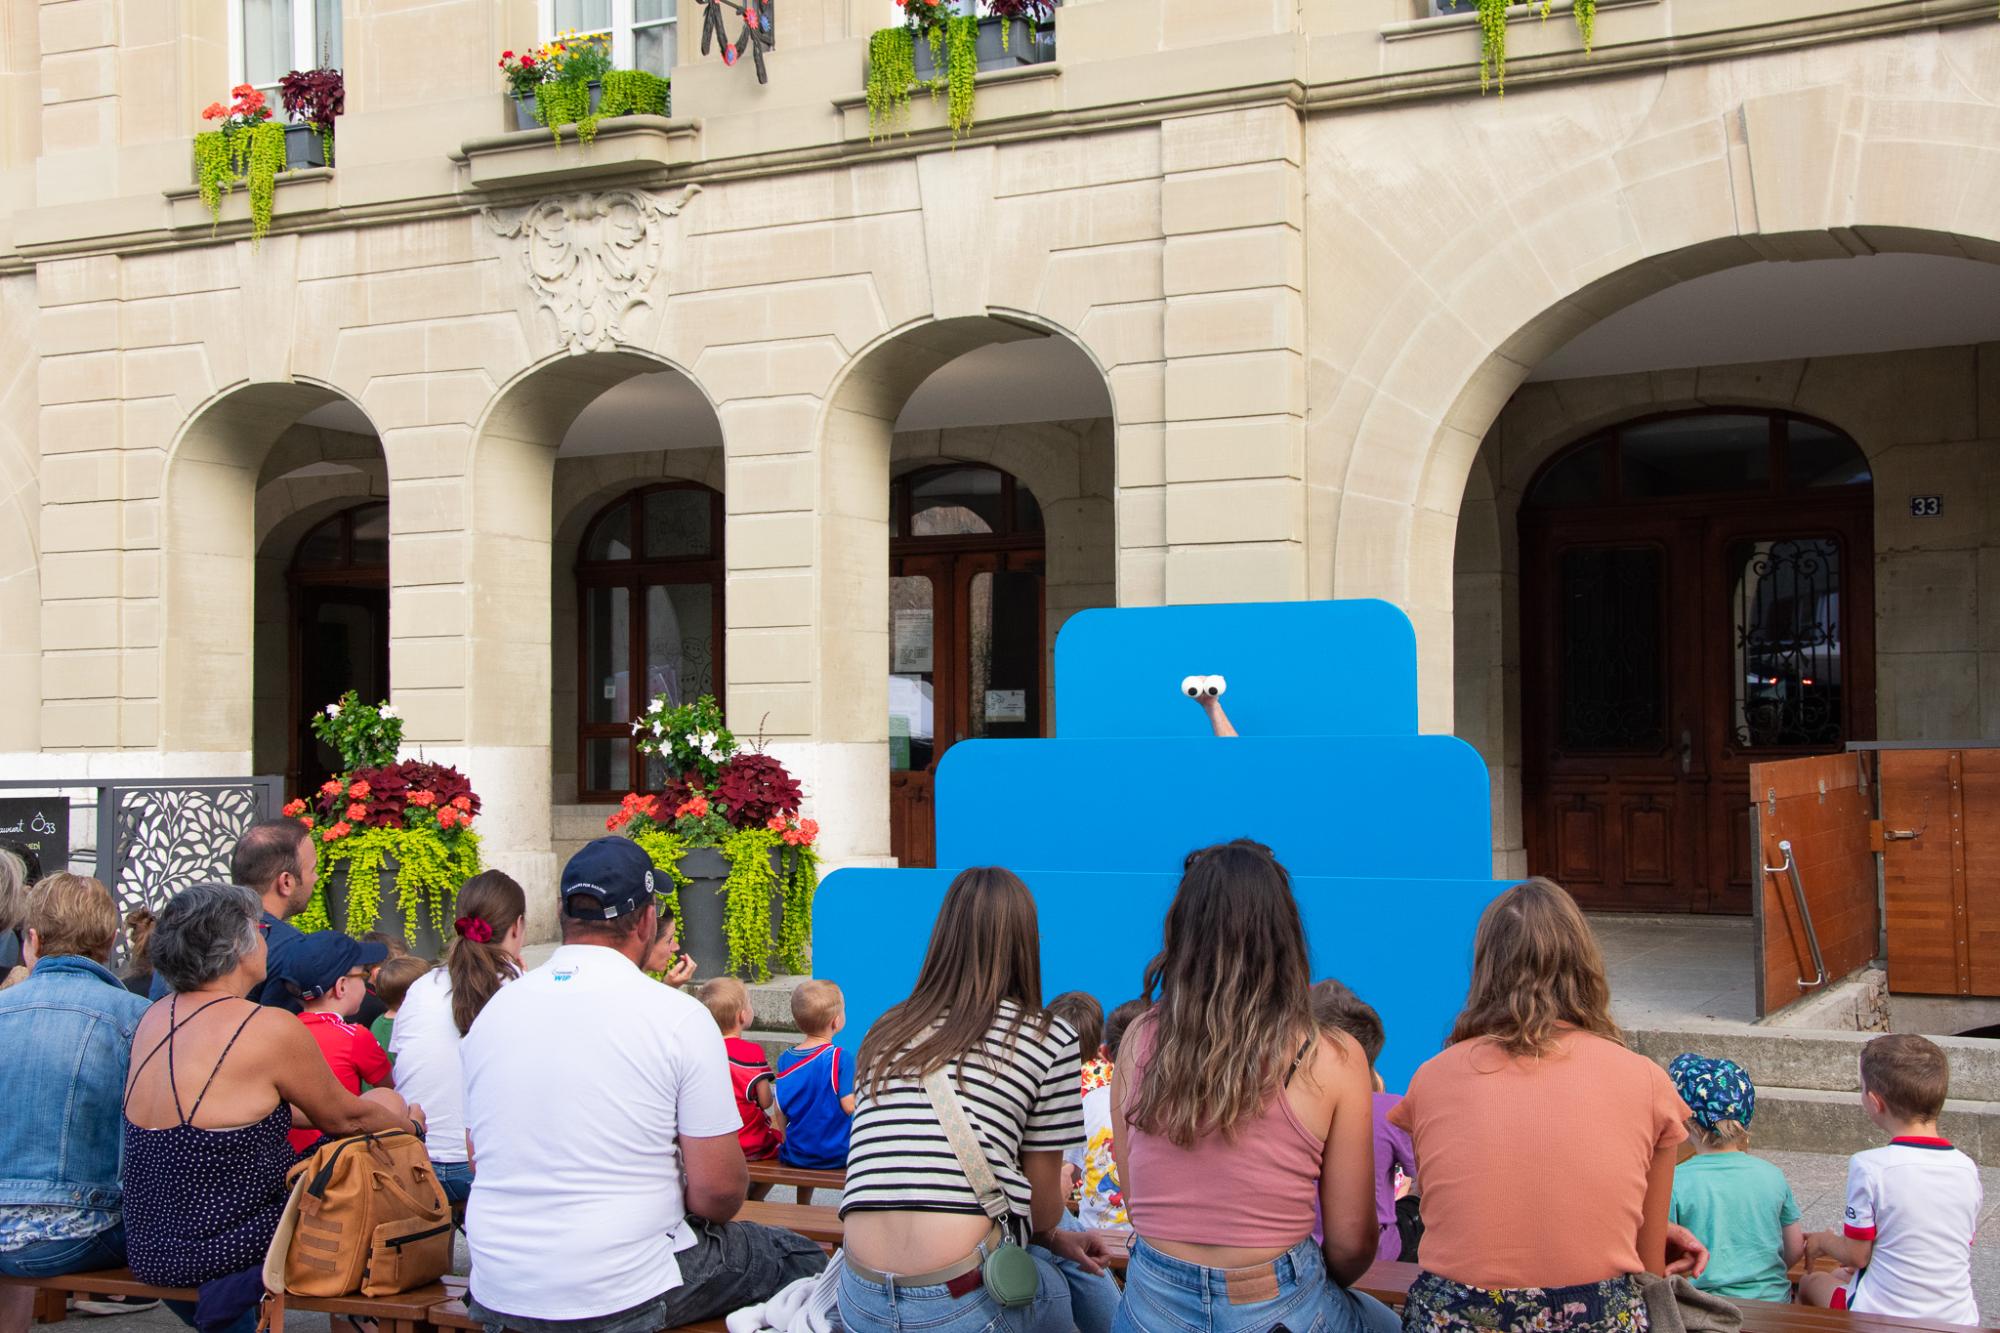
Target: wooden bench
[
  {"x": 814, "y": 1222},
  {"x": 769, "y": 1173},
  {"x": 407, "y": 1313}
]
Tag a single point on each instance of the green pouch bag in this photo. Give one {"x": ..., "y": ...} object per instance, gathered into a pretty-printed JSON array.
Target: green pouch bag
[{"x": 1010, "y": 1275}]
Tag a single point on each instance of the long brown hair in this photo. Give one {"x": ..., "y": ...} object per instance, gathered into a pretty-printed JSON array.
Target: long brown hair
[
  {"x": 479, "y": 967},
  {"x": 986, "y": 948},
  {"x": 1232, "y": 977},
  {"x": 1536, "y": 969}
]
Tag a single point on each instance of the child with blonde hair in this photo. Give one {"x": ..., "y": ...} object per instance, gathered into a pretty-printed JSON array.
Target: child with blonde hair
[
  {"x": 728, "y": 1002},
  {"x": 1741, "y": 1206},
  {"x": 816, "y": 1082}
]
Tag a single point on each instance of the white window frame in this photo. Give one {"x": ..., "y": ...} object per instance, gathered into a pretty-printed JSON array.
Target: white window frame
[
  {"x": 624, "y": 49},
  {"x": 305, "y": 46}
]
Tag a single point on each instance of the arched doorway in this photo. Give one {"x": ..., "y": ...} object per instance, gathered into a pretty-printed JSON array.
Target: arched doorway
[
  {"x": 967, "y": 583},
  {"x": 649, "y": 596},
  {"x": 338, "y": 587},
  {"x": 1697, "y": 593}
]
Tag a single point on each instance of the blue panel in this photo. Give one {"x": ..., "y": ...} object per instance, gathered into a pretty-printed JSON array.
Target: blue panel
[
  {"x": 1344, "y": 668},
  {"x": 1393, "y": 806},
  {"x": 1405, "y": 946}
]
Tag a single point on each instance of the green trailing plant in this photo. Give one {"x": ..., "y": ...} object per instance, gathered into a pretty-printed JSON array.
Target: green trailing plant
[
  {"x": 800, "y": 874},
  {"x": 428, "y": 873},
  {"x": 961, "y": 72},
  {"x": 746, "y": 900},
  {"x": 664, "y": 849},
  {"x": 560, "y": 104},
  {"x": 1493, "y": 45},
  {"x": 634, "y": 92},
  {"x": 1585, "y": 13},
  {"x": 892, "y": 75},
  {"x": 245, "y": 144}
]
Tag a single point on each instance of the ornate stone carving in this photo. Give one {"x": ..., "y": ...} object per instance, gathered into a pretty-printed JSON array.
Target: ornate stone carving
[{"x": 591, "y": 259}]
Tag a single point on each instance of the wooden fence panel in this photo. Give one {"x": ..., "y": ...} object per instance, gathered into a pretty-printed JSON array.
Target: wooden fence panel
[
  {"x": 1823, "y": 805},
  {"x": 1923, "y": 870}
]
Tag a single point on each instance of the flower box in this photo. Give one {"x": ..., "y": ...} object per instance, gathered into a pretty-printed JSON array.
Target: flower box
[
  {"x": 1025, "y": 45},
  {"x": 418, "y": 929},
  {"x": 524, "y": 108},
  {"x": 703, "y": 909},
  {"x": 304, "y": 147}
]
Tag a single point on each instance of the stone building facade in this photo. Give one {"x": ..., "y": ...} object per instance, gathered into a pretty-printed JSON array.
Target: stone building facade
[{"x": 1259, "y": 302}]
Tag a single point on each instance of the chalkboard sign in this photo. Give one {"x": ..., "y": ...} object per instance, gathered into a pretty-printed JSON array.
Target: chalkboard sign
[{"x": 41, "y": 824}]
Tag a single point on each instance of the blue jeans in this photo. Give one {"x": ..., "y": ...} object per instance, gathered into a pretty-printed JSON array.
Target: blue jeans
[
  {"x": 53, "y": 1258},
  {"x": 456, "y": 1178},
  {"x": 1168, "y": 1295},
  {"x": 1093, "y": 1299},
  {"x": 868, "y": 1308}
]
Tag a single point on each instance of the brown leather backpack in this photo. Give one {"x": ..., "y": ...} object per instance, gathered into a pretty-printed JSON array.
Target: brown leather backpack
[{"x": 367, "y": 1215}]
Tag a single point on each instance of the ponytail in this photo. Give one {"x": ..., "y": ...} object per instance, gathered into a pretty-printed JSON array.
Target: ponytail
[{"x": 488, "y": 906}]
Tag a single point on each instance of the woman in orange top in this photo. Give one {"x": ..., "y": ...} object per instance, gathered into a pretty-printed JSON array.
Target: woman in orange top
[{"x": 1545, "y": 1149}]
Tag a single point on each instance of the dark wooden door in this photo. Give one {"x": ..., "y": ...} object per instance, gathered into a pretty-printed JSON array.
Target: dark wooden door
[
  {"x": 965, "y": 660},
  {"x": 340, "y": 638},
  {"x": 1665, "y": 647}
]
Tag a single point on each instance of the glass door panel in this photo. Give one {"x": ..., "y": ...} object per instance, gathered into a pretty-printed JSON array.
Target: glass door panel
[
  {"x": 1613, "y": 695},
  {"x": 1003, "y": 654},
  {"x": 1785, "y": 632},
  {"x": 912, "y": 672},
  {"x": 607, "y": 630}
]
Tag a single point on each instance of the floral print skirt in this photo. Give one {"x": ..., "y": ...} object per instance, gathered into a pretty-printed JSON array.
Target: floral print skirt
[{"x": 1439, "y": 1305}]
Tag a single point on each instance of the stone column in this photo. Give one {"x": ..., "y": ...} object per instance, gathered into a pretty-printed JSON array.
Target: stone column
[{"x": 1233, "y": 209}]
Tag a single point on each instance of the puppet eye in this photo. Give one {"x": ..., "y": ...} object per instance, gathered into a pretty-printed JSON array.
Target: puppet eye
[
  {"x": 1214, "y": 686},
  {"x": 1191, "y": 686}
]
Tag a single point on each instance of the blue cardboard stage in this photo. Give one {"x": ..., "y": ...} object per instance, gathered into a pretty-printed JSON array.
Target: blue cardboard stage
[{"x": 1387, "y": 834}]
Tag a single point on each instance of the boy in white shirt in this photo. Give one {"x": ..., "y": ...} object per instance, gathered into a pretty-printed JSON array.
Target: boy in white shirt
[{"x": 1912, "y": 1207}]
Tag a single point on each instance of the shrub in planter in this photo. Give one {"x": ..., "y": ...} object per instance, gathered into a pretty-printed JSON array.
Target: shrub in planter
[
  {"x": 313, "y": 98},
  {"x": 395, "y": 840},
  {"x": 245, "y": 145},
  {"x": 727, "y": 834},
  {"x": 951, "y": 41}
]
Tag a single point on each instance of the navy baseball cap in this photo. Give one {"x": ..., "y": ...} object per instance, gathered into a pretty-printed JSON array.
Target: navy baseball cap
[
  {"x": 315, "y": 965},
  {"x": 613, "y": 871}
]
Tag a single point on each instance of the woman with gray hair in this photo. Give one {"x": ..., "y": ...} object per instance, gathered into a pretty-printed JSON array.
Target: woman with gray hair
[{"x": 205, "y": 1146}]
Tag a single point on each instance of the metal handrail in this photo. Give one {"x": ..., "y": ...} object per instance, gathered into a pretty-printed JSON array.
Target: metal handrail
[{"x": 1791, "y": 868}]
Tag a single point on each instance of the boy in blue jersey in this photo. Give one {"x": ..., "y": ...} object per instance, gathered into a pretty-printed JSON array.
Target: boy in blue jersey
[{"x": 815, "y": 1083}]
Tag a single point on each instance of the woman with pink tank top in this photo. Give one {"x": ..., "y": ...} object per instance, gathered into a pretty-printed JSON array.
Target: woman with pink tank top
[{"x": 1233, "y": 1114}]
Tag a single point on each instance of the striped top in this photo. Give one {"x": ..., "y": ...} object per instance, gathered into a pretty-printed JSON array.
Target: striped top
[{"x": 1021, "y": 1095}]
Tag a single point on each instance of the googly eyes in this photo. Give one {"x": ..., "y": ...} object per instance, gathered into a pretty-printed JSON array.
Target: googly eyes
[
  {"x": 1191, "y": 686},
  {"x": 1204, "y": 687},
  {"x": 1215, "y": 686}
]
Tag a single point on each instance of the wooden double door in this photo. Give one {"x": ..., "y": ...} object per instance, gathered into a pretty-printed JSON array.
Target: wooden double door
[
  {"x": 1664, "y": 648},
  {"x": 965, "y": 660}
]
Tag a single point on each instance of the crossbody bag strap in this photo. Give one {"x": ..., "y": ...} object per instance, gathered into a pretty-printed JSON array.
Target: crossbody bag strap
[{"x": 965, "y": 1145}]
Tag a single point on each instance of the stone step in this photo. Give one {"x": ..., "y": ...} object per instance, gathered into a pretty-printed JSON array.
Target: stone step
[
  {"x": 1809, "y": 1084},
  {"x": 1814, "y": 1120},
  {"x": 1825, "y": 1060}
]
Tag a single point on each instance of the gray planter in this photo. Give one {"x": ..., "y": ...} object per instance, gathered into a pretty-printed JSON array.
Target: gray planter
[
  {"x": 702, "y": 936},
  {"x": 419, "y": 935},
  {"x": 303, "y": 147},
  {"x": 524, "y": 108},
  {"x": 1025, "y": 46}
]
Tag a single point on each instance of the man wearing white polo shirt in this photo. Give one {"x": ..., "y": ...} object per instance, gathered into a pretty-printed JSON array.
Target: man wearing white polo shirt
[{"x": 603, "y": 1129}]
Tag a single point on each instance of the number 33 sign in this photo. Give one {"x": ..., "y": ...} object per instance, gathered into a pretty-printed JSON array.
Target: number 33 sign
[{"x": 1926, "y": 506}]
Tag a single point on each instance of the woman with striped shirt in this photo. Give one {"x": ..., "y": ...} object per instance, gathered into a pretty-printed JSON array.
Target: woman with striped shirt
[{"x": 915, "y": 1234}]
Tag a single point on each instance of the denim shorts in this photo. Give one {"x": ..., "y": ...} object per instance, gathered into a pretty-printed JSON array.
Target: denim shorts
[
  {"x": 1168, "y": 1295},
  {"x": 53, "y": 1258},
  {"x": 456, "y": 1180},
  {"x": 868, "y": 1307}
]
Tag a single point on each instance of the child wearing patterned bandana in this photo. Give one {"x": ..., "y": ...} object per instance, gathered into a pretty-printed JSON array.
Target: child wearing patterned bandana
[{"x": 1740, "y": 1205}]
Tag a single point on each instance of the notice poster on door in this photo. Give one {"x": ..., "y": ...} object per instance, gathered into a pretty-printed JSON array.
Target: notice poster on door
[
  {"x": 40, "y": 824},
  {"x": 910, "y": 641},
  {"x": 1006, "y": 705}
]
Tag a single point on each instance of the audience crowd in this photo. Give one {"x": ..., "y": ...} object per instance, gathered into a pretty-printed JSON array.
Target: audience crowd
[{"x": 1225, "y": 1131}]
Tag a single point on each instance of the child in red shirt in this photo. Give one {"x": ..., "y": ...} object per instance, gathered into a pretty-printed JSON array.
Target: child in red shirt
[
  {"x": 728, "y": 1000},
  {"x": 327, "y": 972}
]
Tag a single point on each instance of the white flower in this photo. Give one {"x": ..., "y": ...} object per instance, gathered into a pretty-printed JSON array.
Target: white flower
[
  {"x": 333, "y": 710},
  {"x": 635, "y": 726},
  {"x": 659, "y": 704},
  {"x": 707, "y": 740},
  {"x": 389, "y": 713},
  {"x": 659, "y": 728}
]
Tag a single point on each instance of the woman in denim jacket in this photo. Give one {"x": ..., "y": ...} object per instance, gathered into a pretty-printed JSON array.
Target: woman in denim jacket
[{"x": 67, "y": 1030}]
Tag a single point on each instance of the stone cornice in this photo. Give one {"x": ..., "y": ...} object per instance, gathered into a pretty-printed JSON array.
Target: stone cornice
[{"x": 652, "y": 153}]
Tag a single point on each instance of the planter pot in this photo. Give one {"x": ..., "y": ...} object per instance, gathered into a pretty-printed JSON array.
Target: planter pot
[
  {"x": 422, "y": 939},
  {"x": 303, "y": 147},
  {"x": 1024, "y": 47},
  {"x": 702, "y": 937}
]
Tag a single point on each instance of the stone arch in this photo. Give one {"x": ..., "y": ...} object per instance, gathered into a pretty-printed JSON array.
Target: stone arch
[
  {"x": 846, "y": 684},
  {"x": 238, "y": 444},
  {"x": 507, "y": 677},
  {"x": 1553, "y": 221}
]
